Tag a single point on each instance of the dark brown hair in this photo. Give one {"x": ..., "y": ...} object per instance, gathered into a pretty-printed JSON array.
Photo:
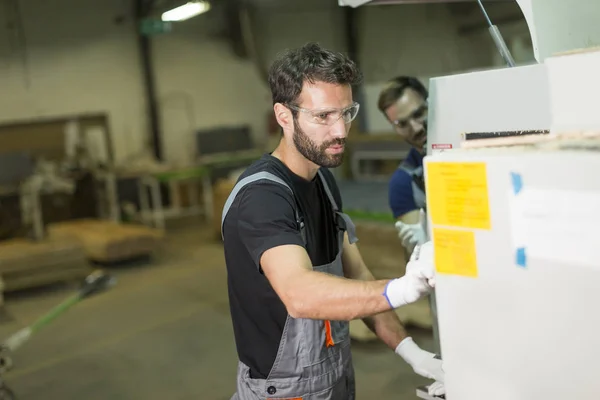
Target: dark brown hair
[
  {"x": 311, "y": 63},
  {"x": 395, "y": 89}
]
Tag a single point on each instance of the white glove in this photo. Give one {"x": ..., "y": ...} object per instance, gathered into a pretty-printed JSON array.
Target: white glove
[
  {"x": 423, "y": 362},
  {"x": 412, "y": 235},
  {"x": 405, "y": 290},
  {"x": 418, "y": 280},
  {"x": 436, "y": 389},
  {"x": 422, "y": 263}
]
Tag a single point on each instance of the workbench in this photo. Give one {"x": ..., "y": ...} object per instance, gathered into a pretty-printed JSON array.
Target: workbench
[{"x": 149, "y": 192}]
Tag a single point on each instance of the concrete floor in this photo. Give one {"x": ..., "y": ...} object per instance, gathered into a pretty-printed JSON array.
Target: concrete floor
[{"x": 162, "y": 332}]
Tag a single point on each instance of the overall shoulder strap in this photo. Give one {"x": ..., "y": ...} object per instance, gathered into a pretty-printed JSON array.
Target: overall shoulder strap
[
  {"x": 348, "y": 224},
  {"x": 416, "y": 174},
  {"x": 328, "y": 191},
  {"x": 418, "y": 183},
  {"x": 409, "y": 168},
  {"x": 263, "y": 175}
]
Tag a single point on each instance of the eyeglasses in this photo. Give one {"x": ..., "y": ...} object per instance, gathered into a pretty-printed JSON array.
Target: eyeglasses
[
  {"x": 331, "y": 115},
  {"x": 419, "y": 115}
]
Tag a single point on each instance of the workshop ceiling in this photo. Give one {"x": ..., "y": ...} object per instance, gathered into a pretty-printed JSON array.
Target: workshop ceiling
[
  {"x": 389, "y": 2},
  {"x": 294, "y": 4},
  {"x": 325, "y": 4},
  {"x": 328, "y": 4}
]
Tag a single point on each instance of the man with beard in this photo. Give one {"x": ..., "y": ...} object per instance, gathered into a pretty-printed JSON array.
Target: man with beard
[
  {"x": 403, "y": 101},
  {"x": 295, "y": 275}
]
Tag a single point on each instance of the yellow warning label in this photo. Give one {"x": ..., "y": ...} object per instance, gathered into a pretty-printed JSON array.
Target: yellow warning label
[
  {"x": 455, "y": 252},
  {"x": 457, "y": 194}
]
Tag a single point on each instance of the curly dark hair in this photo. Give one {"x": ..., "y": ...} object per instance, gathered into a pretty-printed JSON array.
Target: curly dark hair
[
  {"x": 395, "y": 88},
  {"x": 311, "y": 63}
]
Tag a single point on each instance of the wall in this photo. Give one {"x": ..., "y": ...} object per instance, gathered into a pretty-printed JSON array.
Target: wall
[
  {"x": 82, "y": 60},
  {"x": 79, "y": 60},
  {"x": 419, "y": 40},
  {"x": 202, "y": 84},
  {"x": 279, "y": 28}
]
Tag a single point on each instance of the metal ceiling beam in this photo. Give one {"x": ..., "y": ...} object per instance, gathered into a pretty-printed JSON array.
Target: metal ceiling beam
[{"x": 142, "y": 9}]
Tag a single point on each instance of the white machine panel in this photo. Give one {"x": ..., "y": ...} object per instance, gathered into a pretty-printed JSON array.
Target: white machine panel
[
  {"x": 512, "y": 99},
  {"x": 557, "y": 25},
  {"x": 516, "y": 305},
  {"x": 574, "y": 85}
]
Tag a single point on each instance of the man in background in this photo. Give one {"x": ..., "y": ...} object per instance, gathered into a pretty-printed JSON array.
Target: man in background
[{"x": 403, "y": 101}]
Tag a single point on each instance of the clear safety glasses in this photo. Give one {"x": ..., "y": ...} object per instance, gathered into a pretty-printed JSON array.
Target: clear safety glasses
[{"x": 331, "y": 115}]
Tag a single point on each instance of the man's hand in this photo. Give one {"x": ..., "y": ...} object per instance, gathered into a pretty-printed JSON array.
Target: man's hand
[
  {"x": 436, "y": 389},
  {"x": 423, "y": 362},
  {"x": 418, "y": 280},
  {"x": 422, "y": 263},
  {"x": 412, "y": 235},
  {"x": 405, "y": 290}
]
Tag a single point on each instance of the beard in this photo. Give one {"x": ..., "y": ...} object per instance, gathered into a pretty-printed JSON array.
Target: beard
[
  {"x": 317, "y": 153},
  {"x": 419, "y": 139}
]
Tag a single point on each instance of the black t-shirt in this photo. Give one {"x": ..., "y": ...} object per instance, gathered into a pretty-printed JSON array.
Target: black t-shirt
[{"x": 262, "y": 217}]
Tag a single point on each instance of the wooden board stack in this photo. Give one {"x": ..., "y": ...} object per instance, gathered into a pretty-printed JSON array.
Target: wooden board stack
[
  {"x": 26, "y": 264},
  {"x": 107, "y": 241}
]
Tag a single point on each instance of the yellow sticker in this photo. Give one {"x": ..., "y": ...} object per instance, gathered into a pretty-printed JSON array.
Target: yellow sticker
[
  {"x": 457, "y": 194},
  {"x": 455, "y": 252}
]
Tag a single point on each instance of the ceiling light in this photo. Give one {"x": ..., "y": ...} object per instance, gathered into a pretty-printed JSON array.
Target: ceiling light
[{"x": 186, "y": 11}]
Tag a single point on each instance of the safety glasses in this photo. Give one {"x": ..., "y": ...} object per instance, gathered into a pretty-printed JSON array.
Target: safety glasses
[{"x": 329, "y": 116}]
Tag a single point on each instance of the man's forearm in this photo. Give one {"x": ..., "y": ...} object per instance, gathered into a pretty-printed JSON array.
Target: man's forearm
[
  {"x": 318, "y": 295},
  {"x": 387, "y": 327}
]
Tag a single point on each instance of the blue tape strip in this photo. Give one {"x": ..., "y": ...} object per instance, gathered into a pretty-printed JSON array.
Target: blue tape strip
[
  {"x": 521, "y": 257},
  {"x": 517, "y": 182}
]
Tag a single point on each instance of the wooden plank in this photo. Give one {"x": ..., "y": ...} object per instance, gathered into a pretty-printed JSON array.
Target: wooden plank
[
  {"x": 27, "y": 264},
  {"x": 108, "y": 241},
  {"x": 45, "y": 277},
  {"x": 23, "y": 254},
  {"x": 532, "y": 140}
]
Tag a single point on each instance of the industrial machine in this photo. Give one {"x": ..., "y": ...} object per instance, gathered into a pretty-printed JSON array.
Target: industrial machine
[
  {"x": 513, "y": 217},
  {"x": 513, "y": 214},
  {"x": 46, "y": 179},
  {"x": 514, "y": 232}
]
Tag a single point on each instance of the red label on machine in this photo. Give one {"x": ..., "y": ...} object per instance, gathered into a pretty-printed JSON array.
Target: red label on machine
[{"x": 441, "y": 146}]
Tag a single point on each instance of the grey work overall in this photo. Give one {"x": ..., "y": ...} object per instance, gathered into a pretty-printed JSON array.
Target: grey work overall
[{"x": 313, "y": 361}]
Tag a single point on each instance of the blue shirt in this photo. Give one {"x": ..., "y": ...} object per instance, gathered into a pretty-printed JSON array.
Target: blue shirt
[{"x": 401, "y": 194}]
